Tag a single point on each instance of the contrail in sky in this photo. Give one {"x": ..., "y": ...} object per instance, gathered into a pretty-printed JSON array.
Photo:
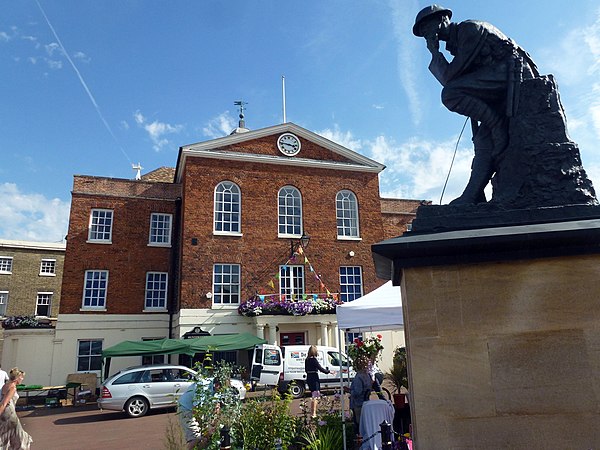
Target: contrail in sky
[{"x": 82, "y": 81}]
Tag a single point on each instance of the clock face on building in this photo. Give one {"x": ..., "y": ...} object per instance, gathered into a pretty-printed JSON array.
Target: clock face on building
[{"x": 288, "y": 144}]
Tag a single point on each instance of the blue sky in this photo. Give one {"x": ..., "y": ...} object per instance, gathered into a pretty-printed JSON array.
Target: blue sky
[{"x": 90, "y": 87}]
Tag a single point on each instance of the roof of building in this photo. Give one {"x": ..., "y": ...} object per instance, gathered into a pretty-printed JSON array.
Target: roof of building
[
  {"x": 218, "y": 149},
  {"x": 31, "y": 245},
  {"x": 160, "y": 175},
  {"x": 401, "y": 205}
]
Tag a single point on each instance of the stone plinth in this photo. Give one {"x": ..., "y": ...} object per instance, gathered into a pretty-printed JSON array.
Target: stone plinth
[{"x": 503, "y": 335}]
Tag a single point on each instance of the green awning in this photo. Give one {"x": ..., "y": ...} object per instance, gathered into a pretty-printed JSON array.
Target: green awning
[{"x": 225, "y": 342}]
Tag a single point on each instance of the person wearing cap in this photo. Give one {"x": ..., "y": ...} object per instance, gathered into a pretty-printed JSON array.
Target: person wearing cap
[{"x": 476, "y": 83}]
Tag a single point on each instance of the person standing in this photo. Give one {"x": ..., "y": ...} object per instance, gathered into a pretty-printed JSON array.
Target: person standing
[
  {"x": 312, "y": 367},
  {"x": 360, "y": 390},
  {"x": 3, "y": 378},
  {"x": 12, "y": 434}
]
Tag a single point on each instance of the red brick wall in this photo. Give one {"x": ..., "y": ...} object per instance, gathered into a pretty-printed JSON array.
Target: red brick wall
[
  {"x": 129, "y": 257},
  {"x": 268, "y": 146},
  {"x": 397, "y": 214},
  {"x": 260, "y": 251}
]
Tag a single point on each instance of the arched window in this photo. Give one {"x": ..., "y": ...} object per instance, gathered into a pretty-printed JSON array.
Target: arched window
[
  {"x": 289, "y": 204},
  {"x": 346, "y": 208},
  {"x": 228, "y": 207}
]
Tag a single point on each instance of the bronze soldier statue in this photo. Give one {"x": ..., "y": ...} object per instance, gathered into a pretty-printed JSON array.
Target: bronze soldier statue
[{"x": 480, "y": 82}]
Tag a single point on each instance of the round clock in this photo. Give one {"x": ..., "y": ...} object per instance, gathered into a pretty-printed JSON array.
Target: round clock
[{"x": 288, "y": 144}]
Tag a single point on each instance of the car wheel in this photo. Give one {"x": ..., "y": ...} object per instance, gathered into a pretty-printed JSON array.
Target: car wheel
[
  {"x": 136, "y": 407},
  {"x": 296, "y": 388}
]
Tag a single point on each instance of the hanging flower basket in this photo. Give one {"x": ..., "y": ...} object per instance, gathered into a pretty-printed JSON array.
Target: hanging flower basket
[
  {"x": 13, "y": 322},
  {"x": 365, "y": 352},
  {"x": 274, "y": 305}
]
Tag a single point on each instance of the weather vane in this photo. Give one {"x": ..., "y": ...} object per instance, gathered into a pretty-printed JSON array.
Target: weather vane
[{"x": 241, "y": 104}]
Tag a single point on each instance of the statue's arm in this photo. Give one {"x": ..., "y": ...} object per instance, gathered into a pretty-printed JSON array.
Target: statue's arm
[
  {"x": 470, "y": 37},
  {"x": 439, "y": 67}
]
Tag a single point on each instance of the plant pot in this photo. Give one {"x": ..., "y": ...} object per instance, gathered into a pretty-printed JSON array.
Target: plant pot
[{"x": 399, "y": 400}]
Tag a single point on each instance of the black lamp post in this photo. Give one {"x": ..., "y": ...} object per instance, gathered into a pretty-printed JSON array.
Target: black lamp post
[{"x": 302, "y": 242}]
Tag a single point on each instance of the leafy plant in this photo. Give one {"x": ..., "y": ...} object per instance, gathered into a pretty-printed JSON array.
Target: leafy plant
[
  {"x": 23, "y": 322},
  {"x": 266, "y": 423},
  {"x": 218, "y": 409},
  {"x": 398, "y": 374},
  {"x": 326, "y": 431}
]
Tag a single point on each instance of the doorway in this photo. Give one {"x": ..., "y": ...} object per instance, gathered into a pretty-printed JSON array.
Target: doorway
[{"x": 292, "y": 338}]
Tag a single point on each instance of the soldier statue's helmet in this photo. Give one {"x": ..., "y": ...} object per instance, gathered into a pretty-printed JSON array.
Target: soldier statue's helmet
[{"x": 426, "y": 13}]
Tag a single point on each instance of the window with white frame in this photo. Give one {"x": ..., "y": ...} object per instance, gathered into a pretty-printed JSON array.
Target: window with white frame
[
  {"x": 156, "y": 290},
  {"x": 160, "y": 229},
  {"x": 43, "y": 304},
  {"x": 291, "y": 280},
  {"x": 227, "y": 208},
  {"x": 48, "y": 267},
  {"x": 226, "y": 284},
  {"x": 6, "y": 263},
  {"x": 89, "y": 355},
  {"x": 95, "y": 287},
  {"x": 346, "y": 209},
  {"x": 289, "y": 202},
  {"x": 101, "y": 221},
  {"x": 3, "y": 302},
  {"x": 351, "y": 285}
]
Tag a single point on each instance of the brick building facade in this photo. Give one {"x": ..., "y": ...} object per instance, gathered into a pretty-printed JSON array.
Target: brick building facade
[
  {"x": 30, "y": 278},
  {"x": 184, "y": 248}
]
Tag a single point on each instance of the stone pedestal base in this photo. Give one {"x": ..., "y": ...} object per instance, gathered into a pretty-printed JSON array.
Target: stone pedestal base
[{"x": 504, "y": 353}]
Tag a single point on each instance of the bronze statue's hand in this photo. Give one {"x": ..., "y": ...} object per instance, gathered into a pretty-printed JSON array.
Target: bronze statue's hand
[{"x": 433, "y": 43}]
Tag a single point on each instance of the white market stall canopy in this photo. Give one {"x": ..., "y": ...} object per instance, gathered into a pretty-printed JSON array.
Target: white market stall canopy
[{"x": 378, "y": 310}]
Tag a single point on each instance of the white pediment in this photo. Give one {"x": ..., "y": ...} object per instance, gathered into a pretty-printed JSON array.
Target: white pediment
[{"x": 216, "y": 149}]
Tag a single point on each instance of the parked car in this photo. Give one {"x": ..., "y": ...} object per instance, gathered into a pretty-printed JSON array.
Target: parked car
[{"x": 137, "y": 389}]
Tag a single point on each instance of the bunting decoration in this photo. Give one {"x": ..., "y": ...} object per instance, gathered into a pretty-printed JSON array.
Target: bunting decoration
[{"x": 294, "y": 304}]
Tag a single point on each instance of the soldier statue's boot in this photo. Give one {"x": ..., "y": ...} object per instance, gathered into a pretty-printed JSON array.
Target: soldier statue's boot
[
  {"x": 482, "y": 169},
  {"x": 473, "y": 194}
]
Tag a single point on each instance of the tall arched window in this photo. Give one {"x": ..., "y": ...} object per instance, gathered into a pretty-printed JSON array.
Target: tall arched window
[
  {"x": 289, "y": 204},
  {"x": 228, "y": 207},
  {"x": 346, "y": 208}
]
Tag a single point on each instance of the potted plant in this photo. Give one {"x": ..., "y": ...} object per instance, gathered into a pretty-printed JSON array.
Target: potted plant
[{"x": 398, "y": 375}]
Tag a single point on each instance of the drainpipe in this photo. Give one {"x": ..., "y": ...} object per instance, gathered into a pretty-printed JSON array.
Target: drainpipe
[{"x": 175, "y": 256}]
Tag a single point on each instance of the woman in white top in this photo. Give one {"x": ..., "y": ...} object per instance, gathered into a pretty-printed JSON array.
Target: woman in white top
[{"x": 12, "y": 435}]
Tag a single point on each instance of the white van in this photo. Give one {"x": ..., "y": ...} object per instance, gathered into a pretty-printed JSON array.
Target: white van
[{"x": 284, "y": 367}]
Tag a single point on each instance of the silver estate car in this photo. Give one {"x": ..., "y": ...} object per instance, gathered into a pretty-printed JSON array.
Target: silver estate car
[{"x": 137, "y": 389}]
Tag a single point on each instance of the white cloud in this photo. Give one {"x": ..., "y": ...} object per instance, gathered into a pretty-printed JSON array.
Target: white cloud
[
  {"x": 220, "y": 126},
  {"x": 415, "y": 169},
  {"x": 52, "y": 48},
  {"x": 4, "y": 37},
  {"x": 406, "y": 50},
  {"x": 53, "y": 64},
  {"x": 156, "y": 130},
  {"x": 345, "y": 139},
  {"x": 82, "y": 57},
  {"x": 30, "y": 216}
]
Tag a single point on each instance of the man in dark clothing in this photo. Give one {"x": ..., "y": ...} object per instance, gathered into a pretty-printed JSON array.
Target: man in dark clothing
[{"x": 481, "y": 82}]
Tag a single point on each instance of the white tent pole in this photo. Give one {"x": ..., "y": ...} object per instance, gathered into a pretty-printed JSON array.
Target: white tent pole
[{"x": 342, "y": 395}]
